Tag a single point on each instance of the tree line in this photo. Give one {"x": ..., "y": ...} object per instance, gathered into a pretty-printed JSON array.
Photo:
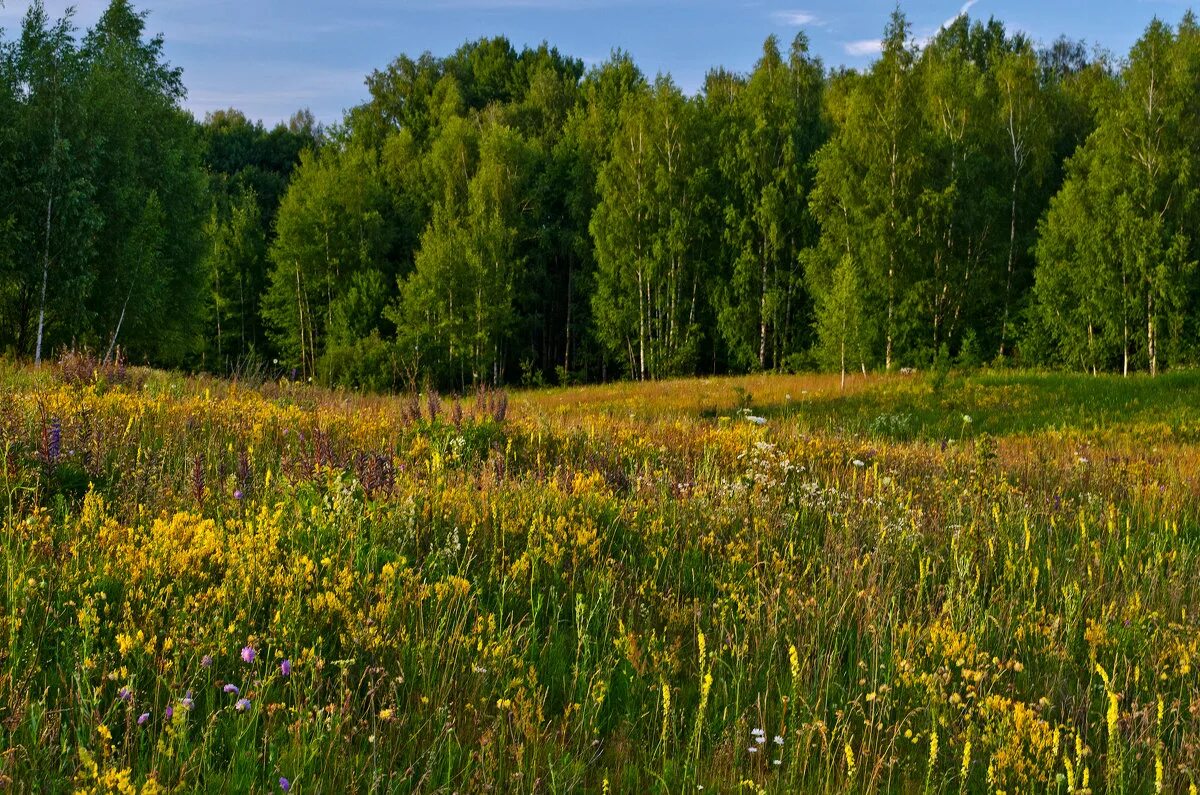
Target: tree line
[
  {"x": 119, "y": 213},
  {"x": 501, "y": 215}
]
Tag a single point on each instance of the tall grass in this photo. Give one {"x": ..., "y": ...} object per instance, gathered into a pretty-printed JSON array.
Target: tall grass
[{"x": 633, "y": 587}]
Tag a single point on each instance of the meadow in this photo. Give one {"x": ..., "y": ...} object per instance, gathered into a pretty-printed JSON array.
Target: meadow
[{"x": 753, "y": 584}]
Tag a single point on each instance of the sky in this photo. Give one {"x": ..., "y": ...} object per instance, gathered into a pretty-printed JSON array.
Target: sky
[{"x": 270, "y": 58}]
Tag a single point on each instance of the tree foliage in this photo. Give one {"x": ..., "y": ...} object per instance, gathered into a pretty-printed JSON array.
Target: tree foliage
[
  {"x": 504, "y": 214},
  {"x": 104, "y": 242},
  {"x": 1118, "y": 251}
]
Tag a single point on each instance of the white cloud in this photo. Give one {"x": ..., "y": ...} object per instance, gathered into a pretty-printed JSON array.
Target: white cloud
[
  {"x": 864, "y": 47},
  {"x": 962, "y": 12},
  {"x": 277, "y": 90},
  {"x": 924, "y": 41},
  {"x": 796, "y": 18},
  {"x": 225, "y": 33}
]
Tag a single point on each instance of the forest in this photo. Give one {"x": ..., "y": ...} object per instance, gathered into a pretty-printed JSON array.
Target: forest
[{"x": 508, "y": 216}]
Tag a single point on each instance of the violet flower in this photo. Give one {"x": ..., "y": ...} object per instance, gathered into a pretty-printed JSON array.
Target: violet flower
[{"x": 54, "y": 444}]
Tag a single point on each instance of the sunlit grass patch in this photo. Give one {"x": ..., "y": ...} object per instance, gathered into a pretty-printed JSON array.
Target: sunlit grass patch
[{"x": 217, "y": 587}]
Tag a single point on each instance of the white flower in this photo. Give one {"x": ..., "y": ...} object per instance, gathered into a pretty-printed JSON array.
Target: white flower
[
  {"x": 967, "y": 419},
  {"x": 752, "y": 749},
  {"x": 777, "y": 761},
  {"x": 756, "y": 420},
  {"x": 858, "y": 462},
  {"x": 778, "y": 740}
]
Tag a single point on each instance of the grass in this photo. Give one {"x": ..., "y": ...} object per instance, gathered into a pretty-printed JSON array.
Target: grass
[
  {"x": 1006, "y": 405},
  {"x": 903, "y": 408},
  {"x": 755, "y": 584}
]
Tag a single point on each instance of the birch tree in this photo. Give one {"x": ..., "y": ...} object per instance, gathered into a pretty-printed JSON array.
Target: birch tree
[
  {"x": 52, "y": 221},
  {"x": 869, "y": 178},
  {"x": 1123, "y": 222},
  {"x": 646, "y": 228},
  {"x": 770, "y": 132}
]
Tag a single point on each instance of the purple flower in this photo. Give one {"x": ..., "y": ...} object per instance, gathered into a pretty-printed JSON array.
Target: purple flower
[
  {"x": 169, "y": 713},
  {"x": 206, "y": 661},
  {"x": 248, "y": 654},
  {"x": 237, "y": 494},
  {"x": 231, "y": 688},
  {"x": 54, "y": 443},
  {"x": 145, "y": 716},
  {"x": 285, "y": 668},
  {"x": 187, "y": 701},
  {"x": 125, "y": 694},
  {"x": 284, "y": 784},
  {"x": 242, "y": 704}
]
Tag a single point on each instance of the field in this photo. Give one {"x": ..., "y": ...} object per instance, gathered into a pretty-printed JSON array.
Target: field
[{"x": 731, "y": 585}]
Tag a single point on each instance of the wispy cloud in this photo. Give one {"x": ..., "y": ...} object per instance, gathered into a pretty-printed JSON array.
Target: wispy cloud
[
  {"x": 962, "y": 12},
  {"x": 864, "y": 47},
  {"x": 202, "y": 32},
  {"x": 283, "y": 89},
  {"x": 796, "y": 18},
  {"x": 924, "y": 41}
]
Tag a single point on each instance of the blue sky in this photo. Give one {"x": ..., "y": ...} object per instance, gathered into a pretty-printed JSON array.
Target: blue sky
[{"x": 271, "y": 57}]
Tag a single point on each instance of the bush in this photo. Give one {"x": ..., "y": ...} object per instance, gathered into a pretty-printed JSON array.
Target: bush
[{"x": 939, "y": 372}]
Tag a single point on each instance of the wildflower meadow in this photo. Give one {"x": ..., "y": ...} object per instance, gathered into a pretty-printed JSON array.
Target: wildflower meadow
[{"x": 755, "y": 584}]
